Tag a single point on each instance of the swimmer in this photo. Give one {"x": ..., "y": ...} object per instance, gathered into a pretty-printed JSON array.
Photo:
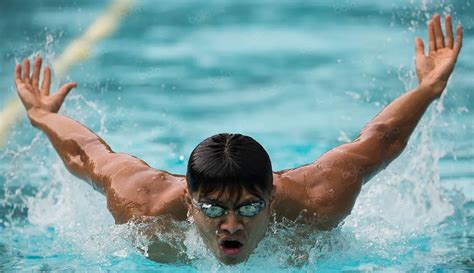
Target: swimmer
[{"x": 230, "y": 190}]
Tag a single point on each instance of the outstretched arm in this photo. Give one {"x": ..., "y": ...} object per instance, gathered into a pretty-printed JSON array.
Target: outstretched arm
[
  {"x": 127, "y": 181},
  {"x": 333, "y": 182}
]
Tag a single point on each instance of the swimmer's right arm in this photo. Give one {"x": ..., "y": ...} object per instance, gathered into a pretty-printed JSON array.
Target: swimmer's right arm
[
  {"x": 83, "y": 153},
  {"x": 124, "y": 179}
]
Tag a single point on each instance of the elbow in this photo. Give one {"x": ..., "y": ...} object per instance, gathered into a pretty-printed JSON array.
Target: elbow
[
  {"x": 392, "y": 139},
  {"x": 75, "y": 158},
  {"x": 385, "y": 133},
  {"x": 72, "y": 154},
  {"x": 381, "y": 131},
  {"x": 386, "y": 141},
  {"x": 395, "y": 149},
  {"x": 390, "y": 142}
]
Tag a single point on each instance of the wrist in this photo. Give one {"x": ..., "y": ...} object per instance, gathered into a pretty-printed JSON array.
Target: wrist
[
  {"x": 35, "y": 114},
  {"x": 434, "y": 88}
]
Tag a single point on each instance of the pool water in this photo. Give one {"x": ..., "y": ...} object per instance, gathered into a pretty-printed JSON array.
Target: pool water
[{"x": 300, "y": 78}]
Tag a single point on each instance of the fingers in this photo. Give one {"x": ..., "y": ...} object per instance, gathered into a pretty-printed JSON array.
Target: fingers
[
  {"x": 36, "y": 71},
  {"x": 22, "y": 75},
  {"x": 46, "y": 82},
  {"x": 449, "y": 32},
  {"x": 26, "y": 71},
  {"x": 62, "y": 93},
  {"x": 18, "y": 74},
  {"x": 66, "y": 88},
  {"x": 458, "y": 43},
  {"x": 439, "y": 37},
  {"x": 431, "y": 36},
  {"x": 420, "y": 47}
]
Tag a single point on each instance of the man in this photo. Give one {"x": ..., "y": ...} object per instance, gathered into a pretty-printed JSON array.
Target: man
[{"x": 230, "y": 190}]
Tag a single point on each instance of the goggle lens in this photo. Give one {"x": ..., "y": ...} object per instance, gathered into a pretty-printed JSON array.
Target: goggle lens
[
  {"x": 213, "y": 210},
  {"x": 248, "y": 210}
]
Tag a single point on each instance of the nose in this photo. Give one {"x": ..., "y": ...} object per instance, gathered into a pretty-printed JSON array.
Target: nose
[{"x": 231, "y": 223}]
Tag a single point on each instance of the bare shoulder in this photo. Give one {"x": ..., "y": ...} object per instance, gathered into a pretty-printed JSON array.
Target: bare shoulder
[
  {"x": 324, "y": 191},
  {"x": 138, "y": 190}
]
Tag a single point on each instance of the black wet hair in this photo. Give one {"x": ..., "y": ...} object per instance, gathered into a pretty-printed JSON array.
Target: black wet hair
[{"x": 230, "y": 162}]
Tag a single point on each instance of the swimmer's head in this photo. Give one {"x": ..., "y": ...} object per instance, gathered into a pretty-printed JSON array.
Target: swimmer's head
[{"x": 230, "y": 185}]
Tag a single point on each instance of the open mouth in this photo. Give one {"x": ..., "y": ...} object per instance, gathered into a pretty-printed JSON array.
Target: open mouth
[{"x": 231, "y": 247}]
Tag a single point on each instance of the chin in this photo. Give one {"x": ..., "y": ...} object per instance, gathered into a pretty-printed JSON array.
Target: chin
[{"x": 232, "y": 260}]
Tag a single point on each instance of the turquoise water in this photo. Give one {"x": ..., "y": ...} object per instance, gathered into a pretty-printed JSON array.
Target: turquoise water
[{"x": 300, "y": 78}]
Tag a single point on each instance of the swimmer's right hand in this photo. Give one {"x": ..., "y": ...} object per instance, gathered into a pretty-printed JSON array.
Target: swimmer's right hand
[{"x": 33, "y": 96}]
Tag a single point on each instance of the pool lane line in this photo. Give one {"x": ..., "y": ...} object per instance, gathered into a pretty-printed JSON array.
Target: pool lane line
[{"x": 78, "y": 50}]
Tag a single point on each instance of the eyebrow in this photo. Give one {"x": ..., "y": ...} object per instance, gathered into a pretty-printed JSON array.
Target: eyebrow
[{"x": 217, "y": 202}]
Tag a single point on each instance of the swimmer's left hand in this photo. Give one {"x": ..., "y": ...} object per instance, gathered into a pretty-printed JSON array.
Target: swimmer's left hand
[
  {"x": 434, "y": 69},
  {"x": 32, "y": 95}
]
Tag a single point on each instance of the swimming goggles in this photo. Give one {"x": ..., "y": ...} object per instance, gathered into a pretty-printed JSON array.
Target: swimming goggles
[{"x": 213, "y": 210}]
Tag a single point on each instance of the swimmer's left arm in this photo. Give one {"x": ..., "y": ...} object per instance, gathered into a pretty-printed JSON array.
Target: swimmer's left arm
[{"x": 332, "y": 183}]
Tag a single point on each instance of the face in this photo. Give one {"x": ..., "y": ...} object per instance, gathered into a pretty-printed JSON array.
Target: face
[{"x": 231, "y": 237}]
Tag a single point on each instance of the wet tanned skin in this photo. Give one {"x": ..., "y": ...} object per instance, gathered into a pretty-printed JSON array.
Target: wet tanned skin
[{"x": 326, "y": 188}]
